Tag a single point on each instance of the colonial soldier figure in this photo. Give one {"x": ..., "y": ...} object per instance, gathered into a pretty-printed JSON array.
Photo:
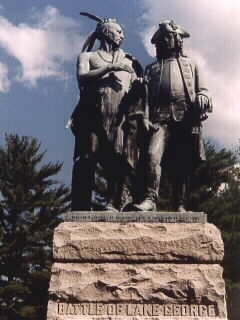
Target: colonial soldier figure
[
  {"x": 177, "y": 103},
  {"x": 104, "y": 77}
]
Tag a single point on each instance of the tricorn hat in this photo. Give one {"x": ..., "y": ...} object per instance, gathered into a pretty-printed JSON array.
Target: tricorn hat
[{"x": 169, "y": 26}]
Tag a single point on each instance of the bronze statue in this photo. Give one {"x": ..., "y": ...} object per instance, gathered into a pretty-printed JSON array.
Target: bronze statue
[
  {"x": 177, "y": 102},
  {"x": 104, "y": 77}
]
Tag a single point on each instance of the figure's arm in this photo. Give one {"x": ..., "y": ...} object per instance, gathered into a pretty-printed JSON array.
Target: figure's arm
[
  {"x": 85, "y": 73},
  {"x": 140, "y": 103},
  {"x": 129, "y": 107},
  {"x": 203, "y": 98},
  {"x": 146, "y": 121}
]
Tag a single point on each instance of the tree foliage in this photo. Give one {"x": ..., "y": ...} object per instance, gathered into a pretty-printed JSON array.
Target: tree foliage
[{"x": 31, "y": 202}]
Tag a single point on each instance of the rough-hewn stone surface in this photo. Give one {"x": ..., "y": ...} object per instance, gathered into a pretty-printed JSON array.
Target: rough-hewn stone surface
[
  {"x": 137, "y": 271},
  {"x": 137, "y": 242},
  {"x": 137, "y": 283}
]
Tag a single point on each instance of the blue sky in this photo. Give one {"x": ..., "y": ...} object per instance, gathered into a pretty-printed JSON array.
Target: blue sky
[{"x": 40, "y": 41}]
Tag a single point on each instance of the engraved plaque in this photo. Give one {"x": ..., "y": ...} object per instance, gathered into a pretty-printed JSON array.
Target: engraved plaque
[
  {"x": 164, "y": 217},
  {"x": 135, "y": 310}
]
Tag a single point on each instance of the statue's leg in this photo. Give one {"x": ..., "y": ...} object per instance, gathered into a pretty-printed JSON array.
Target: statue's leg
[
  {"x": 115, "y": 168},
  {"x": 125, "y": 199},
  {"x": 180, "y": 191},
  {"x": 82, "y": 183},
  {"x": 107, "y": 159},
  {"x": 182, "y": 155},
  {"x": 155, "y": 150},
  {"x": 125, "y": 186},
  {"x": 83, "y": 172}
]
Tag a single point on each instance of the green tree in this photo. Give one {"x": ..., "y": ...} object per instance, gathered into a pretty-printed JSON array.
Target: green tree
[
  {"x": 31, "y": 204},
  {"x": 211, "y": 177}
]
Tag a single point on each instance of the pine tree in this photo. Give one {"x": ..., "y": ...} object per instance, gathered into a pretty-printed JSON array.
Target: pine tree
[
  {"x": 31, "y": 204},
  {"x": 211, "y": 177}
]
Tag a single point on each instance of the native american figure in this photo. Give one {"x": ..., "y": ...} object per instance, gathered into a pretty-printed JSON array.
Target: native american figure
[
  {"x": 105, "y": 77},
  {"x": 177, "y": 103}
]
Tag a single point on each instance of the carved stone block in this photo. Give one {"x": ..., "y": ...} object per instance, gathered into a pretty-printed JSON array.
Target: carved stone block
[
  {"x": 137, "y": 271},
  {"x": 112, "y": 290},
  {"x": 137, "y": 242}
]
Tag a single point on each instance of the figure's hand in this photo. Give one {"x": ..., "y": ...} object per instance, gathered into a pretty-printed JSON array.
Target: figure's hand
[
  {"x": 146, "y": 124},
  {"x": 149, "y": 126},
  {"x": 203, "y": 103},
  {"x": 72, "y": 125},
  {"x": 120, "y": 67},
  {"x": 139, "y": 80}
]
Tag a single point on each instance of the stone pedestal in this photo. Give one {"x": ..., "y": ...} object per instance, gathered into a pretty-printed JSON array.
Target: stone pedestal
[{"x": 136, "y": 270}]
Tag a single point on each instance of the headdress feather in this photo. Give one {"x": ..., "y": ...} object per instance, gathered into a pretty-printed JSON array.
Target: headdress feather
[
  {"x": 89, "y": 43},
  {"x": 92, "y": 16}
]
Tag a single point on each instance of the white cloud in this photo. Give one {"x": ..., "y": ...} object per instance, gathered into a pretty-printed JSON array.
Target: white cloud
[
  {"x": 43, "y": 46},
  {"x": 223, "y": 124},
  {"x": 214, "y": 26},
  {"x": 4, "y": 81}
]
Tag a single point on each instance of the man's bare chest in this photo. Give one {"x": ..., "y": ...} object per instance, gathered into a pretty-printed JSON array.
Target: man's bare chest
[{"x": 101, "y": 59}]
